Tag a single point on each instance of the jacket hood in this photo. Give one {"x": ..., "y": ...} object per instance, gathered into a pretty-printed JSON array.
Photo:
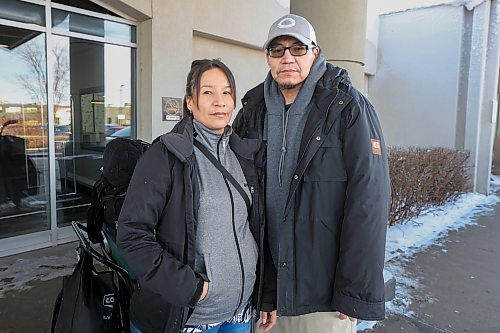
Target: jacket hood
[
  {"x": 179, "y": 141},
  {"x": 334, "y": 77}
]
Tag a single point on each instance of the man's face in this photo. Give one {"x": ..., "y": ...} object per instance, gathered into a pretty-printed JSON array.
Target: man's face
[{"x": 290, "y": 71}]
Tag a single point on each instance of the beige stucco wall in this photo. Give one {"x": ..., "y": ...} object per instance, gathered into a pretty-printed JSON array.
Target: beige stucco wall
[
  {"x": 417, "y": 82},
  {"x": 341, "y": 32},
  {"x": 173, "y": 33},
  {"x": 247, "y": 64},
  {"x": 139, "y": 10},
  {"x": 239, "y": 20},
  {"x": 435, "y": 84},
  {"x": 171, "y": 53}
]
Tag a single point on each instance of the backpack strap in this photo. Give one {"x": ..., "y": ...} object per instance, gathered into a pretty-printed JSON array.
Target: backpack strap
[{"x": 224, "y": 172}]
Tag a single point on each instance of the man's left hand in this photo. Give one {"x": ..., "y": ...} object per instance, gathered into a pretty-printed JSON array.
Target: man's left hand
[
  {"x": 343, "y": 317},
  {"x": 268, "y": 320}
]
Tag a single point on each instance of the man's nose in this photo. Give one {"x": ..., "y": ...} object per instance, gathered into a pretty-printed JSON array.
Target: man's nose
[{"x": 287, "y": 57}]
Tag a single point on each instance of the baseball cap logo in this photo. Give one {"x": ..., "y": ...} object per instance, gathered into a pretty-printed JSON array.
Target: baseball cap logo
[{"x": 287, "y": 22}]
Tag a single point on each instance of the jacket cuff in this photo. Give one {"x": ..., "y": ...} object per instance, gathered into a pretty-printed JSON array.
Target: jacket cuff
[
  {"x": 201, "y": 278},
  {"x": 356, "y": 308},
  {"x": 267, "y": 307}
]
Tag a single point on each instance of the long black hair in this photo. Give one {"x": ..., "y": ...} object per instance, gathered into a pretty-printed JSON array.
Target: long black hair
[{"x": 198, "y": 67}]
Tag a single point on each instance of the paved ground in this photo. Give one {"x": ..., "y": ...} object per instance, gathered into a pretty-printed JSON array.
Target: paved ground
[
  {"x": 459, "y": 283},
  {"x": 30, "y": 310}
]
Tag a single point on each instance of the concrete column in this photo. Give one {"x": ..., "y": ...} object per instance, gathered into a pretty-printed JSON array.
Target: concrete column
[
  {"x": 490, "y": 103},
  {"x": 341, "y": 32},
  {"x": 496, "y": 145},
  {"x": 145, "y": 80},
  {"x": 478, "y": 122},
  {"x": 165, "y": 56}
]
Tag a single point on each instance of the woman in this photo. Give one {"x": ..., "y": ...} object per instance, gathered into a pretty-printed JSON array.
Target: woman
[{"x": 185, "y": 228}]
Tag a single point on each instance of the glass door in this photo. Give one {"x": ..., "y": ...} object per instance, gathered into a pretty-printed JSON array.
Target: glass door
[
  {"x": 91, "y": 108},
  {"x": 24, "y": 174},
  {"x": 51, "y": 146}
]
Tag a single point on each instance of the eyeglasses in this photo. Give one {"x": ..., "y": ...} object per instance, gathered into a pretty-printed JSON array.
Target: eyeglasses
[{"x": 295, "y": 50}]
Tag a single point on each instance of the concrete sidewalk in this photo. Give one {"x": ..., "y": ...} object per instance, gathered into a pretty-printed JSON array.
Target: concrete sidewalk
[
  {"x": 36, "y": 277},
  {"x": 458, "y": 283}
]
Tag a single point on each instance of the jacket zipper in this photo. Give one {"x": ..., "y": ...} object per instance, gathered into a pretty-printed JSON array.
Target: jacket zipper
[
  {"x": 312, "y": 135},
  {"x": 257, "y": 226},
  {"x": 301, "y": 156},
  {"x": 242, "y": 269}
]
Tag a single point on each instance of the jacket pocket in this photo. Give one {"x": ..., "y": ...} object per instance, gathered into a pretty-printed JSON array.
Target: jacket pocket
[
  {"x": 222, "y": 297},
  {"x": 316, "y": 260},
  {"x": 211, "y": 286},
  {"x": 327, "y": 164},
  {"x": 150, "y": 314}
]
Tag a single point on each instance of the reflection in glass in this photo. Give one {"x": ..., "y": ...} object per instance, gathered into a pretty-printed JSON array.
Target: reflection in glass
[
  {"x": 24, "y": 196},
  {"x": 64, "y": 22},
  {"x": 92, "y": 84},
  {"x": 87, "y": 5},
  {"x": 94, "y": 108},
  {"x": 24, "y": 12}
]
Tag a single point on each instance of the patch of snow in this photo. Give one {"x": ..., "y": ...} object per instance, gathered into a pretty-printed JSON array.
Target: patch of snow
[
  {"x": 418, "y": 234},
  {"x": 495, "y": 183},
  {"x": 403, "y": 297},
  {"x": 403, "y": 241},
  {"x": 366, "y": 325},
  {"x": 388, "y": 275},
  {"x": 18, "y": 275}
]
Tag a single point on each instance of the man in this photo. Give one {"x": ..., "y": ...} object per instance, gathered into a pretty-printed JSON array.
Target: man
[{"x": 327, "y": 187}]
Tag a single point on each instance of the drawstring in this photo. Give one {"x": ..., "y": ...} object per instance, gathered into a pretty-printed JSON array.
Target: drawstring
[{"x": 283, "y": 147}]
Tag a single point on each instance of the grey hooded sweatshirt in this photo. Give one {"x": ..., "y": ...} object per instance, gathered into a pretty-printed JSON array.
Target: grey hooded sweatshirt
[
  {"x": 226, "y": 250},
  {"x": 284, "y": 133}
]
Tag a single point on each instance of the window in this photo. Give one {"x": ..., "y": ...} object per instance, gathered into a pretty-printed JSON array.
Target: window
[{"x": 92, "y": 77}]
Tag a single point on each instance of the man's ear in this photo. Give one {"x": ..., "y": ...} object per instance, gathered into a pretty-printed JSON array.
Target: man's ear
[{"x": 316, "y": 52}]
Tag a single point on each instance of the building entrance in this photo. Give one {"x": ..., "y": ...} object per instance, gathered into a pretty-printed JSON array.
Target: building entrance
[{"x": 67, "y": 87}]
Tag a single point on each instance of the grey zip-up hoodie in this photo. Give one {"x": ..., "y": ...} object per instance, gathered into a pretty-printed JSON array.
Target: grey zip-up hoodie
[
  {"x": 221, "y": 229},
  {"x": 284, "y": 133}
]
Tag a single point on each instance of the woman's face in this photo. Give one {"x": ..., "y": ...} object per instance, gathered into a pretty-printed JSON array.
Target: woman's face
[{"x": 214, "y": 106}]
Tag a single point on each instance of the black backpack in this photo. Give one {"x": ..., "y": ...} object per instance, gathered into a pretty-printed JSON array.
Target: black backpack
[{"x": 119, "y": 160}]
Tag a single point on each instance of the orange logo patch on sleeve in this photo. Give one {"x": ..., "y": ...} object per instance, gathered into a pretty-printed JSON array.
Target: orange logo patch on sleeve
[{"x": 376, "y": 147}]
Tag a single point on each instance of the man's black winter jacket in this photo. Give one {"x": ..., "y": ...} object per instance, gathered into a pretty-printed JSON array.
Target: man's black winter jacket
[{"x": 332, "y": 237}]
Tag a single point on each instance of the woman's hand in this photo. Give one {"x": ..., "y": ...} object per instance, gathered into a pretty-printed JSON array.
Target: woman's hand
[
  {"x": 267, "y": 320},
  {"x": 204, "y": 292}
]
